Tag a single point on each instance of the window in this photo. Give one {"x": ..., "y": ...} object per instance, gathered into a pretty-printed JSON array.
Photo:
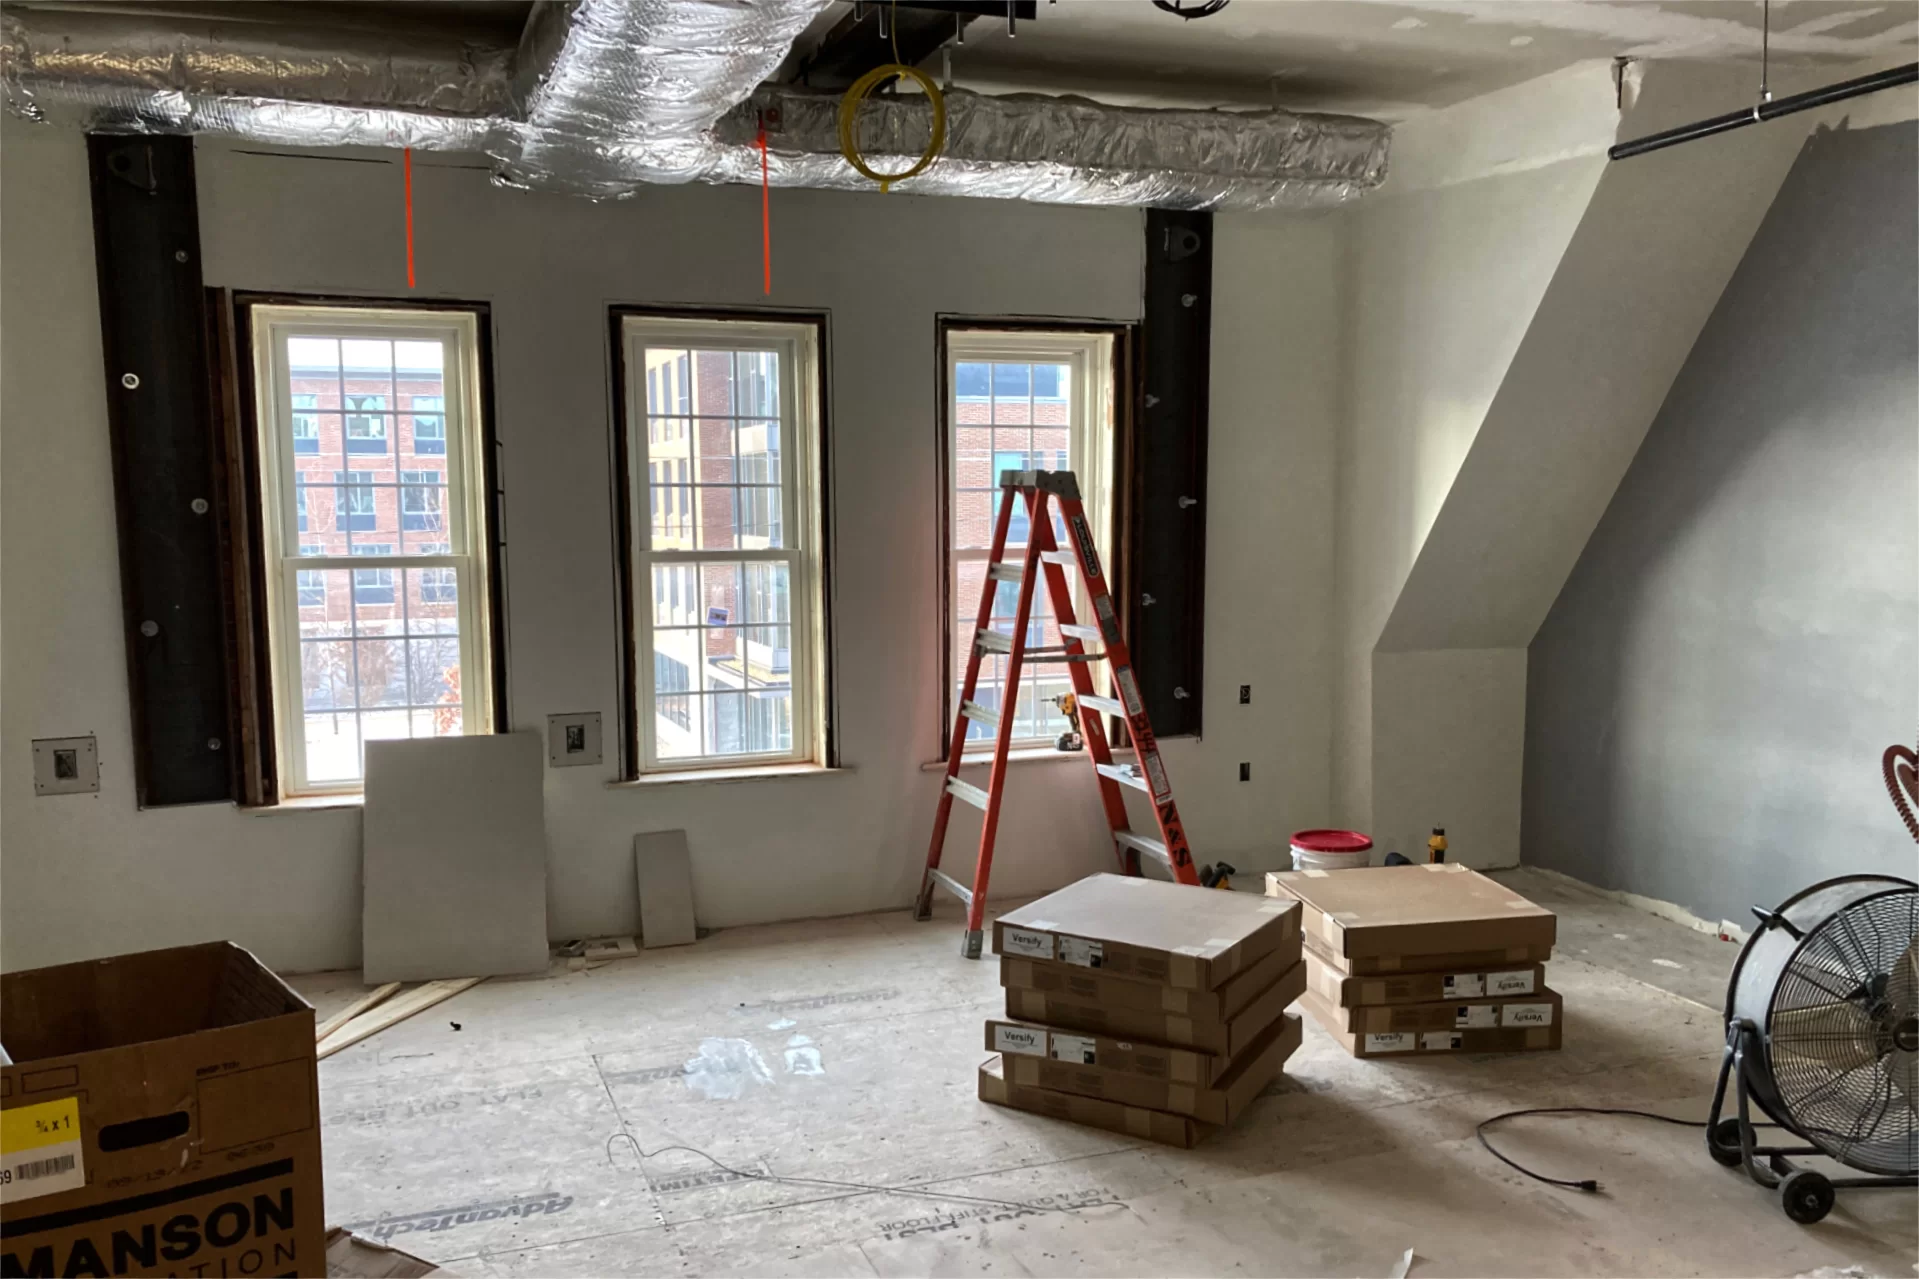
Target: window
[
  {"x": 422, "y": 497},
  {"x": 429, "y": 424},
  {"x": 372, "y": 585},
  {"x": 306, "y": 426},
  {"x": 727, "y": 616},
  {"x": 1022, "y": 401},
  {"x": 366, "y": 420},
  {"x": 354, "y": 506},
  {"x": 361, "y": 652}
]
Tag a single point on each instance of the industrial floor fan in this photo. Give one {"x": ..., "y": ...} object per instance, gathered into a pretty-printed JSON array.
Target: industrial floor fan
[{"x": 1822, "y": 1035}]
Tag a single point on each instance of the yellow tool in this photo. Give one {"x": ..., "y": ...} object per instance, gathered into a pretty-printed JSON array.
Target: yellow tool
[{"x": 1436, "y": 846}]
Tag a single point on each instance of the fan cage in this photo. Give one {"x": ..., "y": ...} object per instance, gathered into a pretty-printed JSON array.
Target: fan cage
[{"x": 1841, "y": 1076}]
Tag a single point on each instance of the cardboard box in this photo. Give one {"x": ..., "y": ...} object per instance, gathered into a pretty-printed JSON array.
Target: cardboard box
[
  {"x": 1432, "y": 909},
  {"x": 1541, "y": 1009},
  {"x": 162, "y": 1116},
  {"x": 1227, "y": 1038},
  {"x": 1408, "y": 1043},
  {"x": 1133, "y": 1057},
  {"x": 350, "y": 1257},
  {"x": 1148, "y": 929},
  {"x": 1220, "y": 1104},
  {"x": 1456, "y": 961},
  {"x": 1134, "y": 1121},
  {"x": 1090, "y": 985},
  {"x": 1342, "y": 991}
]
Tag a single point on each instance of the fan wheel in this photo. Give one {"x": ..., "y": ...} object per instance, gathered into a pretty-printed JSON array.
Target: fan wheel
[
  {"x": 1806, "y": 1196},
  {"x": 1722, "y": 1143}
]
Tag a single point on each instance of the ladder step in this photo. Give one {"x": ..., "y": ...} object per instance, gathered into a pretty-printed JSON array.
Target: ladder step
[
  {"x": 977, "y": 797},
  {"x": 1006, "y": 571},
  {"x": 1060, "y": 557},
  {"x": 981, "y": 715},
  {"x": 1080, "y": 632},
  {"x": 993, "y": 642},
  {"x": 1151, "y": 847},
  {"x": 953, "y": 886},
  {"x": 1104, "y": 705},
  {"x": 1120, "y": 773}
]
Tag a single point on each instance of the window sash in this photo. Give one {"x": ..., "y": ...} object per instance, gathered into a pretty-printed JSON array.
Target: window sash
[
  {"x": 465, "y": 551},
  {"x": 1089, "y": 453},
  {"x": 796, "y": 346}
]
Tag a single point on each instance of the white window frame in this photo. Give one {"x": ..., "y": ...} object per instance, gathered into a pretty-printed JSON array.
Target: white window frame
[
  {"x": 797, "y": 344},
  {"x": 469, "y": 546},
  {"x": 1091, "y": 430}
]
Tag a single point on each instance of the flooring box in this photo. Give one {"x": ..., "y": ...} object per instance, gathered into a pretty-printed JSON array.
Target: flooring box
[
  {"x": 161, "y": 1116},
  {"x": 1432, "y": 909},
  {"x": 1541, "y": 1009},
  {"x": 1343, "y": 991},
  {"x": 1069, "y": 981},
  {"x": 1134, "y": 1121},
  {"x": 1227, "y": 1038},
  {"x": 1133, "y": 1057},
  {"x": 1148, "y": 929},
  {"x": 1221, "y": 1104},
  {"x": 1504, "y": 957},
  {"x": 1404, "y": 1043}
]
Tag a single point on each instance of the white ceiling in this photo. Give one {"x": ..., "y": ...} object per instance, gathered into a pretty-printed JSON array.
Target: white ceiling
[{"x": 1390, "y": 58}]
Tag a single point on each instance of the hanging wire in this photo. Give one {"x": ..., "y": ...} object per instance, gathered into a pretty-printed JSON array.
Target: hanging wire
[{"x": 1765, "y": 55}]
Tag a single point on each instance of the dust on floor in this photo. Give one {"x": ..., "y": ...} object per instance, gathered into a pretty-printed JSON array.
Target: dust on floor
[{"x": 798, "y": 1099}]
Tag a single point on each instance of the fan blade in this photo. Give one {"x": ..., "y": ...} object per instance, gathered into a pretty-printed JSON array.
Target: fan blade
[{"x": 1838, "y": 1035}]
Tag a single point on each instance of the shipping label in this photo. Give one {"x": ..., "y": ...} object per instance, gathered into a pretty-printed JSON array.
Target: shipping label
[
  {"x": 1081, "y": 1050},
  {"x": 1440, "y": 1041},
  {"x": 1516, "y": 983},
  {"x": 1019, "y": 1039},
  {"x": 1527, "y": 1015},
  {"x": 40, "y": 1150},
  {"x": 1027, "y": 942},
  {"x": 1399, "y": 1041},
  {"x": 1465, "y": 985},
  {"x": 1476, "y": 1016},
  {"x": 1081, "y": 951}
]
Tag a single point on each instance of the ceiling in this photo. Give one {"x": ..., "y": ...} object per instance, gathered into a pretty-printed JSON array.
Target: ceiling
[{"x": 1383, "y": 58}]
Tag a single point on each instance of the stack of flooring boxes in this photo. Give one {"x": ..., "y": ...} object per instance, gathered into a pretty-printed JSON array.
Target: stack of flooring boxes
[
  {"x": 1143, "y": 1007},
  {"x": 1423, "y": 959}
]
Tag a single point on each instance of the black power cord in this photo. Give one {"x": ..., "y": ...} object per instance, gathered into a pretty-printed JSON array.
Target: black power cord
[{"x": 1588, "y": 1185}]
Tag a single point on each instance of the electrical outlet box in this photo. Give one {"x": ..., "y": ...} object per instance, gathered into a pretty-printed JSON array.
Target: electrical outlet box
[
  {"x": 573, "y": 740},
  {"x": 1245, "y": 694},
  {"x": 1246, "y": 772},
  {"x": 66, "y": 766}
]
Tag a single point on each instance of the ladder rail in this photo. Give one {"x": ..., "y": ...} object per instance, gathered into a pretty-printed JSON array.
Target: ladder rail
[{"x": 1044, "y": 557}]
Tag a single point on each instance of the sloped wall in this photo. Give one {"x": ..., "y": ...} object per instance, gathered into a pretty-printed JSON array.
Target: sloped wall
[{"x": 1709, "y": 695}]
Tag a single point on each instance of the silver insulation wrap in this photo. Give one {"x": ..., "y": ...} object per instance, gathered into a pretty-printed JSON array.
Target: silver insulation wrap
[
  {"x": 106, "y": 69},
  {"x": 604, "y": 96},
  {"x": 634, "y": 86},
  {"x": 1064, "y": 150}
]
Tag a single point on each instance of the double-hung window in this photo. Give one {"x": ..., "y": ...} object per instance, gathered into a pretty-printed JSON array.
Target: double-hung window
[
  {"x": 723, "y": 457},
  {"x": 1020, "y": 400},
  {"x": 360, "y": 652}
]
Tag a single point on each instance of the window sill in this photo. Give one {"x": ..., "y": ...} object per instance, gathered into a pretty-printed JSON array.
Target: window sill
[
  {"x": 1021, "y": 755},
  {"x": 762, "y": 772},
  {"x": 304, "y": 804}
]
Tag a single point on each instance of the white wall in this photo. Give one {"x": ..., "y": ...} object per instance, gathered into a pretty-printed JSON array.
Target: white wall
[{"x": 87, "y": 876}]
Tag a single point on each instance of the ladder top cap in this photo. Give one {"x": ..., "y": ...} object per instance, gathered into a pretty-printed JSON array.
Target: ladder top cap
[{"x": 1058, "y": 483}]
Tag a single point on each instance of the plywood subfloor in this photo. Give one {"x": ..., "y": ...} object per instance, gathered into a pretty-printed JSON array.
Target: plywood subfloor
[{"x": 599, "y": 1123}]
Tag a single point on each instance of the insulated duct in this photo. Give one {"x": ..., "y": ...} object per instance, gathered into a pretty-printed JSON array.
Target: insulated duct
[
  {"x": 604, "y": 96},
  {"x": 1062, "y": 150},
  {"x": 109, "y": 70}
]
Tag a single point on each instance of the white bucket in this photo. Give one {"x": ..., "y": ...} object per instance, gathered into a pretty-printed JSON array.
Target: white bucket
[{"x": 1308, "y": 859}]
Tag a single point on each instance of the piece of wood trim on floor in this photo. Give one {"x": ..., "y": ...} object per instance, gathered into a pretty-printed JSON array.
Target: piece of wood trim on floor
[
  {"x": 353, "y": 1010},
  {"x": 368, "y": 1024}
]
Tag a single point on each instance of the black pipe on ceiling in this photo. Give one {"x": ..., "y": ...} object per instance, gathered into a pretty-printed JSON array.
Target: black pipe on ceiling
[{"x": 1768, "y": 111}]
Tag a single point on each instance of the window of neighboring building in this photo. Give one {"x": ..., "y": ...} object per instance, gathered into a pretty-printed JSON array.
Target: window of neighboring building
[
  {"x": 429, "y": 423},
  {"x": 306, "y": 426},
  {"x": 1022, "y": 401},
  {"x": 366, "y": 422},
  {"x": 360, "y": 652},
  {"x": 722, "y": 433}
]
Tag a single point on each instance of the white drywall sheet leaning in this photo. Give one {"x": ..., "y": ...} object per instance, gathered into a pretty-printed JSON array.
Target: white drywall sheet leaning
[
  {"x": 454, "y": 848},
  {"x": 664, "y": 872}
]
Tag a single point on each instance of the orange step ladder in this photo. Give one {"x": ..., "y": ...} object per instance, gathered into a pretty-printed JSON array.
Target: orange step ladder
[{"x": 1039, "y": 490}]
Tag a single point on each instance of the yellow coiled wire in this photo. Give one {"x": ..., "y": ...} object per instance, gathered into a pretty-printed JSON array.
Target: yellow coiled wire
[{"x": 849, "y": 116}]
